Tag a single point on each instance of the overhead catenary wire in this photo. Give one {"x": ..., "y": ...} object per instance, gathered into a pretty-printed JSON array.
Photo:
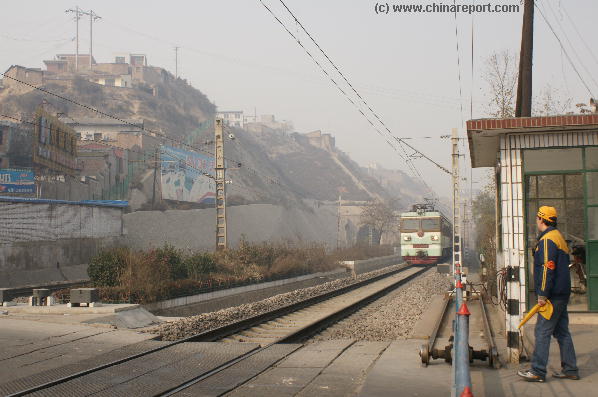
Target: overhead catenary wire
[
  {"x": 407, "y": 158},
  {"x": 564, "y": 49},
  {"x": 583, "y": 40},
  {"x": 459, "y": 64},
  {"x": 575, "y": 53}
]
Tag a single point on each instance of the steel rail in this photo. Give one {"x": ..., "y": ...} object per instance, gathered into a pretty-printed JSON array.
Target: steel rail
[
  {"x": 220, "y": 332},
  {"x": 298, "y": 335},
  {"x": 492, "y": 350}
]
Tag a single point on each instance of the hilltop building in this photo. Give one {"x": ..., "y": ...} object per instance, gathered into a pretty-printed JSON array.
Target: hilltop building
[
  {"x": 232, "y": 118},
  {"x": 119, "y": 73},
  {"x": 321, "y": 141}
]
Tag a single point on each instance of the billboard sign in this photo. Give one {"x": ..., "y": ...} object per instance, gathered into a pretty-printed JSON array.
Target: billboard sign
[
  {"x": 16, "y": 181},
  {"x": 187, "y": 176},
  {"x": 54, "y": 144}
]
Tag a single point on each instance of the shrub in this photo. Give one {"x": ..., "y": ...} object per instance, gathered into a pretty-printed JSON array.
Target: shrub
[
  {"x": 106, "y": 268},
  {"x": 199, "y": 264},
  {"x": 169, "y": 260}
]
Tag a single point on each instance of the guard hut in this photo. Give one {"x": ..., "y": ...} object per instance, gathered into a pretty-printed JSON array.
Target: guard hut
[{"x": 541, "y": 161}]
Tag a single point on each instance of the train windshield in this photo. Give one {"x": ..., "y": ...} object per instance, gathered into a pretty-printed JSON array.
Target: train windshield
[
  {"x": 431, "y": 224},
  {"x": 409, "y": 224}
]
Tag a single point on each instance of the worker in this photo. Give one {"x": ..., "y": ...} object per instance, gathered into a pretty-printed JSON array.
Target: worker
[{"x": 552, "y": 282}]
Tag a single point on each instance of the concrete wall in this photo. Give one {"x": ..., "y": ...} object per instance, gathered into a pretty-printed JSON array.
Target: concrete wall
[
  {"x": 195, "y": 229},
  {"x": 43, "y": 241},
  {"x": 189, "y": 300}
]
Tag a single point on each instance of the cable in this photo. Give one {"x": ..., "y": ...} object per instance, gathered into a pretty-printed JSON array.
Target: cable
[
  {"x": 583, "y": 40},
  {"x": 109, "y": 145},
  {"x": 564, "y": 50},
  {"x": 143, "y": 129},
  {"x": 570, "y": 43},
  {"x": 405, "y": 156},
  {"x": 459, "y": 63},
  {"x": 345, "y": 79}
]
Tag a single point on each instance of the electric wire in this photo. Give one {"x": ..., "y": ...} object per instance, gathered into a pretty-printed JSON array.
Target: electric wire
[
  {"x": 459, "y": 63},
  {"x": 143, "y": 129},
  {"x": 405, "y": 156},
  {"x": 583, "y": 40},
  {"x": 346, "y": 80},
  {"x": 564, "y": 49},
  {"x": 575, "y": 53}
]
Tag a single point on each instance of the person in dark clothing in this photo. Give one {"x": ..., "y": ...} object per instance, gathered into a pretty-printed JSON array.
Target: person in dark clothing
[{"x": 553, "y": 282}]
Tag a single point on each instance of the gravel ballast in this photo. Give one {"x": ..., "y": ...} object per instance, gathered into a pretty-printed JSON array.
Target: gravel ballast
[
  {"x": 203, "y": 322},
  {"x": 392, "y": 317}
]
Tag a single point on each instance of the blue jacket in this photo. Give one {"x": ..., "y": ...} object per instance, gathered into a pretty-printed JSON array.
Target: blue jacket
[{"x": 551, "y": 265}]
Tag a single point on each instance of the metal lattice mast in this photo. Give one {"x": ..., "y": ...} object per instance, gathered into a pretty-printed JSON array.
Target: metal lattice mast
[
  {"x": 456, "y": 200},
  {"x": 221, "y": 234}
]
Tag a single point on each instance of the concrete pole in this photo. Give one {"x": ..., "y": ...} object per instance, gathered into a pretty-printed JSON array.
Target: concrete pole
[
  {"x": 221, "y": 231},
  {"x": 77, "y": 46},
  {"x": 90, "y": 39}
]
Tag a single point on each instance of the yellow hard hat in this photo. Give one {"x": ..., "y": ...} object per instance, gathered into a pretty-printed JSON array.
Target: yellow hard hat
[{"x": 547, "y": 213}]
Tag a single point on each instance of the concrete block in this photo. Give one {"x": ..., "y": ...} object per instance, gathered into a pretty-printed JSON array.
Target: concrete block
[
  {"x": 84, "y": 295},
  {"x": 5, "y": 295},
  {"x": 8, "y": 304}
]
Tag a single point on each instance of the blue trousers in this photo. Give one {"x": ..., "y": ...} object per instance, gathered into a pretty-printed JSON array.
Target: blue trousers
[{"x": 557, "y": 326}]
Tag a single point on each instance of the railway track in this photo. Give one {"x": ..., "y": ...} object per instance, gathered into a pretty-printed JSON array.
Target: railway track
[{"x": 185, "y": 363}]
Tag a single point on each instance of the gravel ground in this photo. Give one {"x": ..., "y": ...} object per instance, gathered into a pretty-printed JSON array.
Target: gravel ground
[
  {"x": 192, "y": 325},
  {"x": 393, "y": 316}
]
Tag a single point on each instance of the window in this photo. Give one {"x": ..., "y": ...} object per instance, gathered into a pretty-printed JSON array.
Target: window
[
  {"x": 431, "y": 224},
  {"x": 408, "y": 224},
  {"x": 1, "y": 136},
  {"x": 97, "y": 136},
  {"x": 552, "y": 159},
  {"x": 109, "y": 82}
]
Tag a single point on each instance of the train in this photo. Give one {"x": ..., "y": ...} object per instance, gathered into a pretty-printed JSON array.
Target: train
[{"x": 426, "y": 235}]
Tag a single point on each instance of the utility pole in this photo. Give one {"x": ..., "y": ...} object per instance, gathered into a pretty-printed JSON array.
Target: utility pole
[
  {"x": 176, "y": 62},
  {"x": 338, "y": 220},
  {"x": 221, "y": 233},
  {"x": 524, "y": 84},
  {"x": 456, "y": 201},
  {"x": 156, "y": 165},
  {"x": 92, "y": 18},
  {"x": 78, "y": 14}
]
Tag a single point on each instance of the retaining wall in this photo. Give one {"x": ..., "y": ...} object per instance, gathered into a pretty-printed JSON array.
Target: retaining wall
[
  {"x": 211, "y": 301},
  {"x": 193, "y": 299},
  {"x": 195, "y": 229},
  {"x": 368, "y": 265},
  {"x": 46, "y": 241}
]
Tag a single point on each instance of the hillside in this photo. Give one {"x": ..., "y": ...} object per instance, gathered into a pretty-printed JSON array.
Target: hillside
[{"x": 275, "y": 167}]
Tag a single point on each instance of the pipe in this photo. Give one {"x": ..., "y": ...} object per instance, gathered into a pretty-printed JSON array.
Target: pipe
[{"x": 461, "y": 361}]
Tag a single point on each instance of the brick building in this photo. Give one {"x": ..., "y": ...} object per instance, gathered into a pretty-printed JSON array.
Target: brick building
[{"x": 541, "y": 161}]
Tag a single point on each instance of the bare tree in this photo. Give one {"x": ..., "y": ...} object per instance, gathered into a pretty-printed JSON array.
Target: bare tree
[
  {"x": 551, "y": 102},
  {"x": 501, "y": 75},
  {"x": 380, "y": 216}
]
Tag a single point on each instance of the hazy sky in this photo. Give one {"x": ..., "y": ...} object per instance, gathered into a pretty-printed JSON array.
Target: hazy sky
[{"x": 405, "y": 65}]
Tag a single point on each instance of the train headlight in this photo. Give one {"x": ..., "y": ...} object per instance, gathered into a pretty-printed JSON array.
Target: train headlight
[
  {"x": 407, "y": 238},
  {"x": 435, "y": 238}
]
